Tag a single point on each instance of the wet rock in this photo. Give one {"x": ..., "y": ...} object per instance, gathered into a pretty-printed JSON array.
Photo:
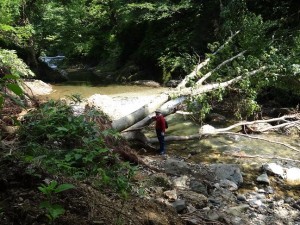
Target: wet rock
[
  {"x": 263, "y": 178},
  {"x": 173, "y": 83},
  {"x": 257, "y": 127},
  {"x": 147, "y": 83}
]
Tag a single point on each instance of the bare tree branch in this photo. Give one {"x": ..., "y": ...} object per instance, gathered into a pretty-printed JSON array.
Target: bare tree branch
[
  {"x": 202, "y": 79},
  {"x": 209, "y": 87},
  {"x": 283, "y": 118},
  {"x": 204, "y": 63}
]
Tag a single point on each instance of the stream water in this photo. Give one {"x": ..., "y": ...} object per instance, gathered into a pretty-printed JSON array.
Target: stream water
[{"x": 249, "y": 153}]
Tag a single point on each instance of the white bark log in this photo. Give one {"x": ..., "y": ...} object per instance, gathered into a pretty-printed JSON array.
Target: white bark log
[
  {"x": 141, "y": 116},
  {"x": 176, "y": 138},
  {"x": 282, "y": 119},
  {"x": 129, "y": 120}
]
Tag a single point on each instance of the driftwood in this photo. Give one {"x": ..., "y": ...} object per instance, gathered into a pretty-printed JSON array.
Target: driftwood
[{"x": 284, "y": 123}]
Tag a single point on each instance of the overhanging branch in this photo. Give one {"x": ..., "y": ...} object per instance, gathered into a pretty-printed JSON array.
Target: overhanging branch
[
  {"x": 204, "y": 63},
  {"x": 202, "y": 79}
]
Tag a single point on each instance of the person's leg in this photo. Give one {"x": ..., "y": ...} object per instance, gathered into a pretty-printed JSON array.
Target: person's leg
[
  {"x": 162, "y": 145},
  {"x": 161, "y": 140}
]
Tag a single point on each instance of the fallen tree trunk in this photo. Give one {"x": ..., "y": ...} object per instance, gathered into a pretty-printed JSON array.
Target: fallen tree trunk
[
  {"x": 167, "y": 109},
  {"x": 176, "y": 138},
  {"x": 127, "y": 121},
  {"x": 143, "y": 113},
  {"x": 140, "y": 117}
]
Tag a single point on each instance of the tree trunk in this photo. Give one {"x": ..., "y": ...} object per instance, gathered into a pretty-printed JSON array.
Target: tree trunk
[{"x": 127, "y": 121}]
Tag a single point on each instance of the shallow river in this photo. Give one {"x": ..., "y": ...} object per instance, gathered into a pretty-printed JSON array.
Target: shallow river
[{"x": 249, "y": 153}]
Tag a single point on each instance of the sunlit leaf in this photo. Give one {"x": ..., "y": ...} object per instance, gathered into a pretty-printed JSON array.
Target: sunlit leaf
[{"x": 15, "y": 88}]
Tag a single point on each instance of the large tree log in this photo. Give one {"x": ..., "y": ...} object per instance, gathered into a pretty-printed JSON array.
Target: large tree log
[
  {"x": 143, "y": 113},
  {"x": 129, "y": 120},
  {"x": 142, "y": 117},
  {"x": 167, "y": 109}
]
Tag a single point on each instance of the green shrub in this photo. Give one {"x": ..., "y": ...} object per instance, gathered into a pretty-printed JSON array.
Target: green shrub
[{"x": 52, "y": 137}]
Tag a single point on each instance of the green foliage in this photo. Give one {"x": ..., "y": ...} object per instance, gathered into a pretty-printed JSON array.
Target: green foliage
[
  {"x": 54, "y": 126},
  {"x": 200, "y": 106},
  {"x": 118, "y": 178},
  {"x": 12, "y": 69},
  {"x": 11, "y": 64},
  {"x": 53, "y": 188},
  {"x": 176, "y": 64},
  {"x": 154, "y": 11},
  {"x": 52, "y": 137},
  {"x": 53, "y": 211}
]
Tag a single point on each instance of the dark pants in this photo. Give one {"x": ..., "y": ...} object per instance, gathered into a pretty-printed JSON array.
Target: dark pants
[{"x": 161, "y": 139}]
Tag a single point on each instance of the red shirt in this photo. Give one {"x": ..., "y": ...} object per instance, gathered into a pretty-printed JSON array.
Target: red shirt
[{"x": 160, "y": 123}]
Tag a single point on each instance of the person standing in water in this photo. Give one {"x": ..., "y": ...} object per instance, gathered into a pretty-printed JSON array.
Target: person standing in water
[{"x": 160, "y": 128}]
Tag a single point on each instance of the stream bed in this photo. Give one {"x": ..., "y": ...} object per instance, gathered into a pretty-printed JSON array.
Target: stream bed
[{"x": 247, "y": 152}]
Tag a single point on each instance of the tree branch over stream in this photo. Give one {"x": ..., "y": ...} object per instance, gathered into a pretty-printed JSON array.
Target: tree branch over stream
[
  {"x": 194, "y": 73},
  {"x": 207, "y": 75}
]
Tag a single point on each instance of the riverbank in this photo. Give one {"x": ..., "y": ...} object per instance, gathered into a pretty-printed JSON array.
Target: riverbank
[{"x": 185, "y": 191}]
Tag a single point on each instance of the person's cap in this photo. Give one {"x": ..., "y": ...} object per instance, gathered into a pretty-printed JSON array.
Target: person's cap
[{"x": 157, "y": 111}]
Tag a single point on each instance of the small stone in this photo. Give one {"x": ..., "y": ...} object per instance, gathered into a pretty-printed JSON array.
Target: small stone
[
  {"x": 179, "y": 205},
  {"x": 241, "y": 198},
  {"x": 263, "y": 178}
]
